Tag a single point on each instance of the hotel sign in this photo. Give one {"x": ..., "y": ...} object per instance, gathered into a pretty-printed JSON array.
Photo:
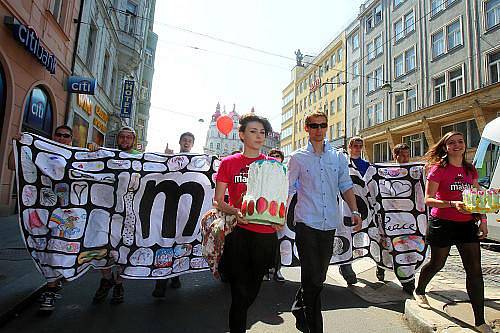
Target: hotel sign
[
  {"x": 127, "y": 98},
  {"x": 28, "y": 37}
]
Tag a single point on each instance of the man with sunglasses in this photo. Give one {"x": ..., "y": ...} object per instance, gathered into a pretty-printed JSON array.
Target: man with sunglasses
[
  {"x": 318, "y": 173},
  {"x": 64, "y": 135}
]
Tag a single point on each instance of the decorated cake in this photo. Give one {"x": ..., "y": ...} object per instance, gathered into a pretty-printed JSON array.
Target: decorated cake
[
  {"x": 478, "y": 201},
  {"x": 267, "y": 192}
]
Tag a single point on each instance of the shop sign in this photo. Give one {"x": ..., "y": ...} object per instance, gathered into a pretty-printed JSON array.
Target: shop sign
[
  {"x": 33, "y": 44},
  {"x": 81, "y": 85},
  {"x": 101, "y": 113},
  {"x": 84, "y": 103},
  {"x": 100, "y": 125},
  {"x": 127, "y": 97},
  {"x": 315, "y": 85}
]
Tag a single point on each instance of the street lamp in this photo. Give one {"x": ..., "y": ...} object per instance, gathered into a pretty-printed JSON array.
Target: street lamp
[{"x": 387, "y": 87}]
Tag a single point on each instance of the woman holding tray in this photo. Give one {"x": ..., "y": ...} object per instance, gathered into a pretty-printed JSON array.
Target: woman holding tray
[
  {"x": 450, "y": 224},
  {"x": 249, "y": 250}
]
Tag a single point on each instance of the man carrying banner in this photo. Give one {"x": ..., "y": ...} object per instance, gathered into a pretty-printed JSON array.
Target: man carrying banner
[
  {"x": 355, "y": 148},
  {"x": 186, "y": 142},
  {"x": 318, "y": 173},
  {"x": 125, "y": 141}
]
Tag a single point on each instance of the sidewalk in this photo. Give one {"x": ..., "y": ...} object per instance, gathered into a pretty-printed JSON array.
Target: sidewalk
[
  {"x": 20, "y": 281},
  {"x": 451, "y": 310}
]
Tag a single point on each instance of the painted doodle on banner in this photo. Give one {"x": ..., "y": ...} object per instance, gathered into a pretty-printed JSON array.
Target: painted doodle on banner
[
  {"x": 81, "y": 209},
  {"x": 390, "y": 199}
]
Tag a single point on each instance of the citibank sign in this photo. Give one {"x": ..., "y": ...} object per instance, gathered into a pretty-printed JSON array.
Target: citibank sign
[{"x": 29, "y": 38}]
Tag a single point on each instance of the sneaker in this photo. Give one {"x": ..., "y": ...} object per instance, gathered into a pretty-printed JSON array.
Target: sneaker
[
  {"x": 47, "y": 301},
  {"x": 175, "y": 282},
  {"x": 103, "y": 290},
  {"x": 409, "y": 287},
  {"x": 380, "y": 274},
  {"x": 278, "y": 277},
  {"x": 348, "y": 274},
  {"x": 421, "y": 301},
  {"x": 118, "y": 292},
  {"x": 160, "y": 288},
  {"x": 484, "y": 328}
]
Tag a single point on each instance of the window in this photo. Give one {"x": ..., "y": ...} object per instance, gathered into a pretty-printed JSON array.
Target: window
[
  {"x": 492, "y": 9},
  {"x": 399, "y": 65},
  {"x": 398, "y": 2},
  {"x": 105, "y": 71},
  {"x": 411, "y": 100},
  {"x": 355, "y": 70},
  {"x": 417, "y": 143},
  {"x": 333, "y": 60},
  {"x": 218, "y": 145},
  {"x": 409, "y": 22},
  {"x": 37, "y": 115},
  {"x": 456, "y": 82},
  {"x": 354, "y": 126},
  {"x": 439, "y": 89},
  {"x": 379, "y": 113},
  {"x": 437, "y": 44},
  {"x": 371, "y": 51},
  {"x": 286, "y": 132},
  {"x": 325, "y": 108},
  {"x": 398, "y": 30},
  {"x": 355, "y": 96},
  {"x": 378, "y": 76},
  {"x": 91, "y": 46},
  {"x": 494, "y": 67},
  {"x": 149, "y": 57},
  {"x": 332, "y": 106},
  {"x": 370, "y": 81},
  {"x": 468, "y": 129},
  {"x": 340, "y": 105},
  {"x": 339, "y": 54},
  {"x": 369, "y": 23},
  {"x": 355, "y": 41},
  {"x": 400, "y": 105},
  {"x": 131, "y": 15},
  {"x": 410, "y": 59},
  {"x": 437, "y": 6},
  {"x": 340, "y": 129},
  {"x": 380, "y": 152},
  {"x": 378, "y": 45},
  {"x": 56, "y": 8},
  {"x": 370, "y": 113},
  {"x": 377, "y": 16},
  {"x": 332, "y": 132},
  {"x": 454, "y": 34}
]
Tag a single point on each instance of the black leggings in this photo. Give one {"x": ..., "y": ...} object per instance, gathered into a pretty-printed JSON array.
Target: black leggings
[{"x": 471, "y": 259}]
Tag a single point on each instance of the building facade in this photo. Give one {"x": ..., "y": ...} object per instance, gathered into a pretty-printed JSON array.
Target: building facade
[
  {"x": 221, "y": 145},
  {"x": 36, "y": 56},
  {"x": 116, "y": 48},
  {"x": 318, "y": 84}
]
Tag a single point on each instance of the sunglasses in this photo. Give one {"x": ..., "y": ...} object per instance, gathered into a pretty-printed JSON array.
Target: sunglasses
[
  {"x": 63, "y": 135},
  {"x": 316, "y": 126},
  {"x": 275, "y": 155}
]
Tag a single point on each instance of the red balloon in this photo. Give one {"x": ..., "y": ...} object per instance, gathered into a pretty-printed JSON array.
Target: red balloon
[{"x": 225, "y": 124}]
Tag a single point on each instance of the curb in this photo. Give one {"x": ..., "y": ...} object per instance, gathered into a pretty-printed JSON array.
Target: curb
[
  {"x": 429, "y": 321},
  {"x": 8, "y": 314}
]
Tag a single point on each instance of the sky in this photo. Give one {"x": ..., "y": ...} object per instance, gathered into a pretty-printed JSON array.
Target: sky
[{"x": 217, "y": 62}]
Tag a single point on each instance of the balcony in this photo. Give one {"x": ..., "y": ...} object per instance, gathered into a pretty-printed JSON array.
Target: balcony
[{"x": 130, "y": 50}]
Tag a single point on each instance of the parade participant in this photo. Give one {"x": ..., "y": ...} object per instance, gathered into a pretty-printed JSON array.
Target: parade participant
[
  {"x": 186, "y": 142},
  {"x": 64, "y": 135},
  {"x": 450, "y": 224},
  {"x": 354, "y": 148},
  {"x": 276, "y": 271},
  {"x": 125, "y": 140},
  {"x": 318, "y": 173},
  {"x": 249, "y": 249}
]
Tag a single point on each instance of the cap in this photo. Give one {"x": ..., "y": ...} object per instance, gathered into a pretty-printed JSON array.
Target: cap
[{"x": 127, "y": 129}]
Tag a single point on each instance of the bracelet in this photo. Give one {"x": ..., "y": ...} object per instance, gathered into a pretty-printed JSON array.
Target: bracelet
[
  {"x": 451, "y": 204},
  {"x": 355, "y": 212}
]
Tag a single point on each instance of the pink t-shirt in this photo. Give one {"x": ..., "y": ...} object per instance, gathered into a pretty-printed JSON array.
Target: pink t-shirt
[
  {"x": 233, "y": 170},
  {"x": 452, "y": 181}
]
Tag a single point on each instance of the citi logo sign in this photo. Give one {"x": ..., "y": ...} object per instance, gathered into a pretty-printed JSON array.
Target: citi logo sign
[{"x": 81, "y": 85}]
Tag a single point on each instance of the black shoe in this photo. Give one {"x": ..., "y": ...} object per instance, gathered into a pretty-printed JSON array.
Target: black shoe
[
  {"x": 380, "y": 274},
  {"x": 47, "y": 302},
  {"x": 175, "y": 283},
  {"x": 118, "y": 292},
  {"x": 348, "y": 274},
  {"x": 409, "y": 287},
  {"x": 278, "y": 277},
  {"x": 160, "y": 288},
  {"x": 103, "y": 290}
]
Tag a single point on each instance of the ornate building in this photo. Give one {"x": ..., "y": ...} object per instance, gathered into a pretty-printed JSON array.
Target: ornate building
[{"x": 222, "y": 145}]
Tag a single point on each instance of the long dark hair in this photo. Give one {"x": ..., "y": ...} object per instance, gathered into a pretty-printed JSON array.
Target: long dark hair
[{"x": 437, "y": 155}]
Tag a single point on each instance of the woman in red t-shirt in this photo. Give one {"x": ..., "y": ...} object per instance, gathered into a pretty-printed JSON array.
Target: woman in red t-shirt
[
  {"x": 249, "y": 249},
  {"x": 449, "y": 223}
]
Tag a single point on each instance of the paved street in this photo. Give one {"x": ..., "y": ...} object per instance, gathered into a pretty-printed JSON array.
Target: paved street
[{"x": 201, "y": 305}]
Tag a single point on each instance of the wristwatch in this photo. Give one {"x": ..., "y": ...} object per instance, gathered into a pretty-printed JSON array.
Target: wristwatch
[{"x": 355, "y": 212}]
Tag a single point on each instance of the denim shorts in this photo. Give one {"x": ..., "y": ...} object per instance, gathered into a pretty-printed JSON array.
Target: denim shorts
[{"x": 444, "y": 233}]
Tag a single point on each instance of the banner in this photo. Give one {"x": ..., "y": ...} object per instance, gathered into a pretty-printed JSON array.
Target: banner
[
  {"x": 81, "y": 209},
  {"x": 390, "y": 199}
]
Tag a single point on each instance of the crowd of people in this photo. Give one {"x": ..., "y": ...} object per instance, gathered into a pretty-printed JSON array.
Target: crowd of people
[{"x": 318, "y": 173}]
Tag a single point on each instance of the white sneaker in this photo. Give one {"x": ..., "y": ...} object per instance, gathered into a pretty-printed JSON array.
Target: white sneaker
[
  {"x": 484, "y": 328},
  {"x": 421, "y": 301}
]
